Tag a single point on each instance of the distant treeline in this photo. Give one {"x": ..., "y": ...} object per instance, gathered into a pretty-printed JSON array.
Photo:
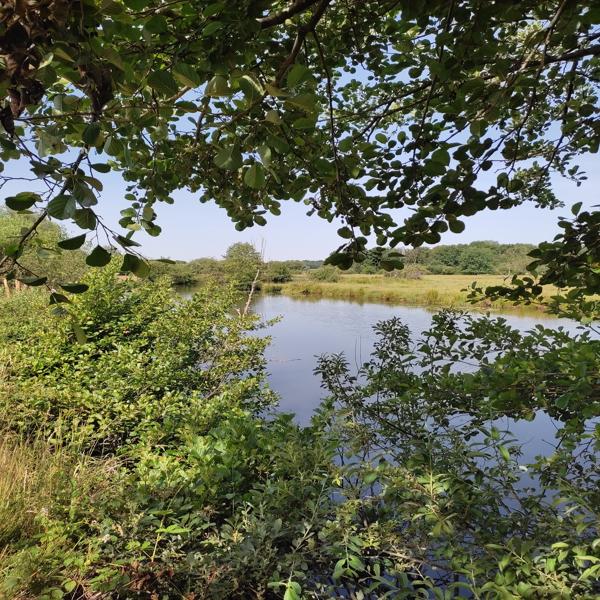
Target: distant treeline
[
  {"x": 476, "y": 258},
  {"x": 242, "y": 262}
]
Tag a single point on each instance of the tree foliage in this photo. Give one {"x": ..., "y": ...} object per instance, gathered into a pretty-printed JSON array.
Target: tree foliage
[{"x": 355, "y": 108}]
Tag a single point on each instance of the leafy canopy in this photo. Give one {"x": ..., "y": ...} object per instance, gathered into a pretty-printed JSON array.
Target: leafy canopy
[{"x": 355, "y": 108}]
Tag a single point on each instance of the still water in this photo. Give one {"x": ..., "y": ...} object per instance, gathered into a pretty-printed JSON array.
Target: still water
[{"x": 308, "y": 329}]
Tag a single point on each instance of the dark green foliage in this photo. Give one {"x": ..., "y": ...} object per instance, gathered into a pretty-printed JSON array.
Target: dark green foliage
[
  {"x": 278, "y": 272},
  {"x": 356, "y": 109},
  {"x": 163, "y": 477},
  {"x": 473, "y": 259},
  {"x": 436, "y": 477},
  {"x": 243, "y": 265},
  {"x": 326, "y": 273}
]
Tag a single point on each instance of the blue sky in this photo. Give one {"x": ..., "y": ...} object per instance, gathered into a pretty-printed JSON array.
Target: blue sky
[{"x": 192, "y": 229}]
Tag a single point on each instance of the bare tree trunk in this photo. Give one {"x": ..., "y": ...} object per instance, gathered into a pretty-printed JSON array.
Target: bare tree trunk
[
  {"x": 18, "y": 286},
  {"x": 252, "y": 287},
  {"x": 6, "y": 287}
]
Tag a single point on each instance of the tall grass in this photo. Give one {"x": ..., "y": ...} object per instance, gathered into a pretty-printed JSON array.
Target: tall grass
[
  {"x": 31, "y": 474},
  {"x": 46, "y": 485}
]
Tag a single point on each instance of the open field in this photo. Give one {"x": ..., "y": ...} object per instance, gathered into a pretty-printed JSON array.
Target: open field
[{"x": 436, "y": 291}]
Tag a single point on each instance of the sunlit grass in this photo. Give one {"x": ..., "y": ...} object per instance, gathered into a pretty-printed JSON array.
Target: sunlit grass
[{"x": 434, "y": 291}]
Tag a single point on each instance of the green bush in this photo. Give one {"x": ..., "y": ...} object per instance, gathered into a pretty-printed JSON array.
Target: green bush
[
  {"x": 138, "y": 459},
  {"x": 326, "y": 273},
  {"x": 126, "y": 358},
  {"x": 278, "y": 273}
]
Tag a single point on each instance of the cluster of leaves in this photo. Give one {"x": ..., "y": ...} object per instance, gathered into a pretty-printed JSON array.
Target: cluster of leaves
[
  {"x": 442, "y": 495},
  {"x": 172, "y": 486},
  {"x": 127, "y": 359},
  {"x": 572, "y": 262},
  {"x": 43, "y": 254},
  {"x": 356, "y": 109}
]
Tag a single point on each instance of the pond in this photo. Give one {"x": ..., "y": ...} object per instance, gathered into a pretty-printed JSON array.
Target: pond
[{"x": 308, "y": 328}]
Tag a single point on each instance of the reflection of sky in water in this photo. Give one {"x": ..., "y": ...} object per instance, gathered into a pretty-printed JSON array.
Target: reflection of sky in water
[{"x": 308, "y": 329}]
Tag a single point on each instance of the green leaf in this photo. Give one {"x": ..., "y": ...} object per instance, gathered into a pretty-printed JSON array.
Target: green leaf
[
  {"x": 173, "y": 529},
  {"x": 72, "y": 243},
  {"x": 33, "y": 281},
  {"x": 346, "y": 144},
  {"x": 125, "y": 241},
  {"x": 212, "y": 28},
  {"x": 56, "y": 298},
  {"x": 22, "y": 201},
  {"x": 304, "y": 123},
  {"x": 163, "y": 82},
  {"x": 254, "y": 177},
  {"x": 251, "y": 88},
  {"x": 85, "y": 218},
  {"x": 441, "y": 157},
  {"x": 98, "y": 257},
  {"x": 101, "y": 167},
  {"x": 273, "y": 117},
  {"x": 187, "y": 75},
  {"x": 229, "y": 158},
  {"x": 217, "y": 86},
  {"x": 70, "y": 585},
  {"x": 91, "y": 134},
  {"x": 456, "y": 226},
  {"x": 576, "y": 208},
  {"x": 62, "y": 207},
  {"x": 265, "y": 154},
  {"x": 297, "y": 75},
  {"x": 135, "y": 265},
  {"x": 305, "y": 102},
  {"x": 74, "y": 288},
  {"x": 504, "y": 451},
  {"x": 293, "y": 591}
]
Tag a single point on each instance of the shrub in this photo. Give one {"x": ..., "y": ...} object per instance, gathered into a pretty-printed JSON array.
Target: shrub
[
  {"x": 326, "y": 273},
  {"x": 411, "y": 271},
  {"x": 278, "y": 273},
  {"x": 145, "y": 360}
]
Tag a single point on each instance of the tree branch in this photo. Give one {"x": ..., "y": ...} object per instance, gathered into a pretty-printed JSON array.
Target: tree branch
[
  {"x": 303, "y": 31},
  {"x": 278, "y": 18},
  {"x": 41, "y": 218}
]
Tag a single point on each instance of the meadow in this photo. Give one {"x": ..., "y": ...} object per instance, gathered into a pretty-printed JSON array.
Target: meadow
[{"x": 436, "y": 291}]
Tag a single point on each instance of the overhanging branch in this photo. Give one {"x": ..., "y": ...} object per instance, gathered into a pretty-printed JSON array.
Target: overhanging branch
[{"x": 281, "y": 17}]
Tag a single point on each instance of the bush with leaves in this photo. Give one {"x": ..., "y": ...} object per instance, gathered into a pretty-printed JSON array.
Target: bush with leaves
[
  {"x": 326, "y": 273},
  {"x": 438, "y": 492},
  {"x": 126, "y": 357},
  {"x": 198, "y": 495}
]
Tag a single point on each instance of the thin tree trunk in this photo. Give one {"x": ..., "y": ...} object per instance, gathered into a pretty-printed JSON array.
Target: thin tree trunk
[{"x": 6, "y": 287}]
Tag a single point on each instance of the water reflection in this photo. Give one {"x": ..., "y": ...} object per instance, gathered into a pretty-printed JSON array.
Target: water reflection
[{"x": 309, "y": 329}]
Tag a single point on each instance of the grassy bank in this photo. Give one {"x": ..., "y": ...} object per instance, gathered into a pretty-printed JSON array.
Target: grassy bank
[{"x": 435, "y": 291}]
